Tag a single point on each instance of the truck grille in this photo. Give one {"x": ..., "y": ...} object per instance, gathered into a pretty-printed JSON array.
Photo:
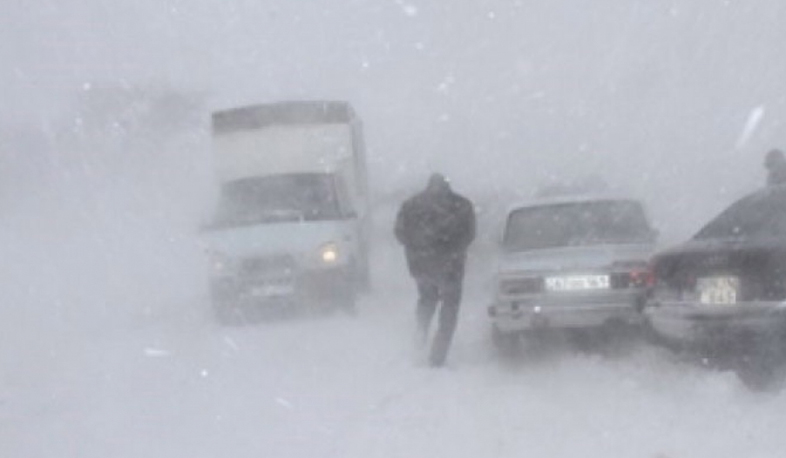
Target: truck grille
[{"x": 268, "y": 266}]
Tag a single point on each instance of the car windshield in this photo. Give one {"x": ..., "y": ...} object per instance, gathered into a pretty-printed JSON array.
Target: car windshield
[
  {"x": 276, "y": 199},
  {"x": 586, "y": 223},
  {"x": 761, "y": 215}
]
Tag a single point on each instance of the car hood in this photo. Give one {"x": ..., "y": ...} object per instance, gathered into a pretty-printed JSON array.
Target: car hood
[
  {"x": 575, "y": 258},
  {"x": 266, "y": 239}
]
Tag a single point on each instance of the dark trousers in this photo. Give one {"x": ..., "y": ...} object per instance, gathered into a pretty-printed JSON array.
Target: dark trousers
[{"x": 443, "y": 291}]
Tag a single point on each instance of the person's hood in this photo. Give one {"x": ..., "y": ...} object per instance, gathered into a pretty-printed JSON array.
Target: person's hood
[{"x": 438, "y": 184}]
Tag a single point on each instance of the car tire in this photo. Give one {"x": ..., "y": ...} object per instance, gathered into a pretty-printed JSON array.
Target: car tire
[
  {"x": 762, "y": 367},
  {"x": 225, "y": 309},
  {"x": 586, "y": 340},
  {"x": 507, "y": 344},
  {"x": 227, "y": 314},
  {"x": 757, "y": 374}
]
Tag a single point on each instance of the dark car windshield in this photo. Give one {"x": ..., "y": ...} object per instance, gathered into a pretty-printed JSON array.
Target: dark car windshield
[
  {"x": 570, "y": 224},
  {"x": 277, "y": 198},
  {"x": 761, "y": 215}
]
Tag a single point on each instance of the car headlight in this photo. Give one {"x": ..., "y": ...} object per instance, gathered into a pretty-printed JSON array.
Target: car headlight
[{"x": 329, "y": 254}]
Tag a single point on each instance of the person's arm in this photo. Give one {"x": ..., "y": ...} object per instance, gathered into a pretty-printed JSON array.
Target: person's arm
[
  {"x": 472, "y": 223},
  {"x": 469, "y": 223}
]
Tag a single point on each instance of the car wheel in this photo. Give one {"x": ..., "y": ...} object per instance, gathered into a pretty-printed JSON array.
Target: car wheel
[
  {"x": 757, "y": 375},
  {"x": 584, "y": 340},
  {"x": 225, "y": 307},
  {"x": 227, "y": 313},
  {"x": 763, "y": 367},
  {"x": 506, "y": 343}
]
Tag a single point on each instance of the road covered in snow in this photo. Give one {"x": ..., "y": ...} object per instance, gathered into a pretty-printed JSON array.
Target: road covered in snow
[{"x": 169, "y": 382}]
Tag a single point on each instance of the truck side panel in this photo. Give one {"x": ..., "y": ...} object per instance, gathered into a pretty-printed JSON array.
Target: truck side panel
[{"x": 281, "y": 149}]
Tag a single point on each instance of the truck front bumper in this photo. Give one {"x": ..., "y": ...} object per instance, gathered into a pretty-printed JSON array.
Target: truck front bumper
[{"x": 307, "y": 286}]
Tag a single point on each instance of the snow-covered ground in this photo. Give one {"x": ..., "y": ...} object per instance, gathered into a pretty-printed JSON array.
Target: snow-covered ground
[{"x": 167, "y": 381}]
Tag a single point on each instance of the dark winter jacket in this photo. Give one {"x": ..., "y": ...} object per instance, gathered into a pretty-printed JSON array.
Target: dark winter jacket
[{"x": 436, "y": 227}]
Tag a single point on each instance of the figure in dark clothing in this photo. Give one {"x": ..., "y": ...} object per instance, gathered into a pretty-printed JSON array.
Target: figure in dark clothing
[
  {"x": 436, "y": 226},
  {"x": 775, "y": 163}
]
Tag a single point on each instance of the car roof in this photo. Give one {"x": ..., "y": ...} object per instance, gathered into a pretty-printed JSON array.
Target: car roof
[
  {"x": 747, "y": 212},
  {"x": 772, "y": 190},
  {"x": 571, "y": 199}
]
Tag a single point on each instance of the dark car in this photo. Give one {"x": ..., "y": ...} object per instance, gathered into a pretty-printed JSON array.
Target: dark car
[{"x": 724, "y": 291}]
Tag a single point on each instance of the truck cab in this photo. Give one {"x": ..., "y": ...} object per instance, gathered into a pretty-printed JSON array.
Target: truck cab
[{"x": 290, "y": 227}]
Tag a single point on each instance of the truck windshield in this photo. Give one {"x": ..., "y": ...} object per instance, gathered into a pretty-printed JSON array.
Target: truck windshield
[
  {"x": 571, "y": 224},
  {"x": 277, "y": 198}
]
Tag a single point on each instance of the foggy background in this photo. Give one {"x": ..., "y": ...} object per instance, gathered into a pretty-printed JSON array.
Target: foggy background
[
  {"x": 653, "y": 96},
  {"x": 105, "y": 175}
]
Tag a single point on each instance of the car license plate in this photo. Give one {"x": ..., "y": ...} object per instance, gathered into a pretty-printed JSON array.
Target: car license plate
[
  {"x": 718, "y": 290},
  {"x": 577, "y": 282}
]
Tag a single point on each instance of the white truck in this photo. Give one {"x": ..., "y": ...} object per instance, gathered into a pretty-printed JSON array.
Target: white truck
[{"x": 292, "y": 223}]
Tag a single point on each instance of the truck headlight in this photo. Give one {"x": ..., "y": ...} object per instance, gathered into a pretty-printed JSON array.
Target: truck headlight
[{"x": 329, "y": 253}]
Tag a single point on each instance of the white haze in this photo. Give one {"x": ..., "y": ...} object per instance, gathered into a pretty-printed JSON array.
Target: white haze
[{"x": 107, "y": 347}]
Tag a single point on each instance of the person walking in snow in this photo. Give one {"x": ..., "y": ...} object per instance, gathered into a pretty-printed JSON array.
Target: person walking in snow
[
  {"x": 775, "y": 163},
  {"x": 436, "y": 227}
]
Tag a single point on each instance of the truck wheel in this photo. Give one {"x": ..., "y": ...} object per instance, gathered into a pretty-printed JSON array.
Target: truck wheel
[
  {"x": 348, "y": 301},
  {"x": 364, "y": 278},
  {"x": 361, "y": 274},
  {"x": 345, "y": 296}
]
